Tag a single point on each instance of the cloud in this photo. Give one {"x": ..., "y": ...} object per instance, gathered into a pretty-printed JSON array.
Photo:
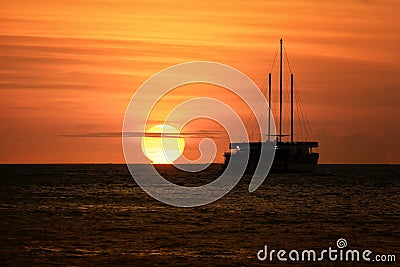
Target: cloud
[
  {"x": 352, "y": 148},
  {"x": 54, "y": 63},
  {"x": 195, "y": 134}
]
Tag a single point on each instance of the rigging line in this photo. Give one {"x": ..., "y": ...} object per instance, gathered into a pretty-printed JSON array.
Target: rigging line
[
  {"x": 303, "y": 125},
  {"x": 300, "y": 123},
  {"x": 304, "y": 122},
  {"x": 287, "y": 59},
  {"x": 286, "y": 98},
  {"x": 255, "y": 126},
  {"x": 273, "y": 62},
  {"x": 247, "y": 122},
  {"x": 299, "y": 97},
  {"x": 252, "y": 126},
  {"x": 299, "y": 132},
  {"x": 300, "y": 119},
  {"x": 264, "y": 85},
  {"x": 307, "y": 121}
]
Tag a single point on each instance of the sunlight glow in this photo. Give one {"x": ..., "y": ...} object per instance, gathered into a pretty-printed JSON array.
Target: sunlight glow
[{"x": 163, "y": 144}]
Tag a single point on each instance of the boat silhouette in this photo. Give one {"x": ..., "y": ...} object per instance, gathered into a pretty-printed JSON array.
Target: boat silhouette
[{"x": 290, "y": 156}]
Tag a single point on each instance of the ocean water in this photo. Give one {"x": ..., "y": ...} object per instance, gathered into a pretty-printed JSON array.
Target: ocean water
[{"x": 79, "y": 215}]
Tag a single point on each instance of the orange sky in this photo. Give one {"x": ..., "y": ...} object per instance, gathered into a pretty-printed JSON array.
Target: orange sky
[{"x": 69, "y": 68}]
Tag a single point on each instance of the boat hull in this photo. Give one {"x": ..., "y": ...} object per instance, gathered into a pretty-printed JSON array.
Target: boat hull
[
  {"x": 289, "y": 157},
  {"x": 295, "y": 164}
]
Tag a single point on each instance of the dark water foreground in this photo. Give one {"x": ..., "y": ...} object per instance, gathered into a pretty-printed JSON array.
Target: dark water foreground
[{"x": 97, "y": 215}]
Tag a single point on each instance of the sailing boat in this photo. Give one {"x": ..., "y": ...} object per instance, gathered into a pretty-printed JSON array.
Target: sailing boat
[{"x": 290, "y": 156}]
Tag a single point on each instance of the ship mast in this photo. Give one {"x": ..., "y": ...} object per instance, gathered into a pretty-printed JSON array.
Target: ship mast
[
  {"x": 280, "y": 100},
  {"x": 280, "y": 94},
  {"x": 269, "y": 106},
  {"x": 291, "y": 107}
]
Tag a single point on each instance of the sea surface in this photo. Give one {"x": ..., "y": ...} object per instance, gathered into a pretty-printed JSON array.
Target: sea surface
[{"x": 91, "y": 215}]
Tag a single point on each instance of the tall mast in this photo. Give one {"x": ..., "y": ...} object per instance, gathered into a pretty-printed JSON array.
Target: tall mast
[
  {"x": 280, "y": 94},
  {"x": 269, "y": 106},
  {"x": 291, "y": 107}
]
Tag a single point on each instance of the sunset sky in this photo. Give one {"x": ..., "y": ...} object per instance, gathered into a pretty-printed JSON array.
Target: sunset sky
[{"x": 68, "y": 70}]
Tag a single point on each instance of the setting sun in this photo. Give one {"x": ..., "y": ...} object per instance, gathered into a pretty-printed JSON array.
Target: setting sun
[{"x": 162, "y": 144}]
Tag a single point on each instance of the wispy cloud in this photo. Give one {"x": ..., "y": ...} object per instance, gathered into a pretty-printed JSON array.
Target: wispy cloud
[{"x": 194, "y": 134}]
